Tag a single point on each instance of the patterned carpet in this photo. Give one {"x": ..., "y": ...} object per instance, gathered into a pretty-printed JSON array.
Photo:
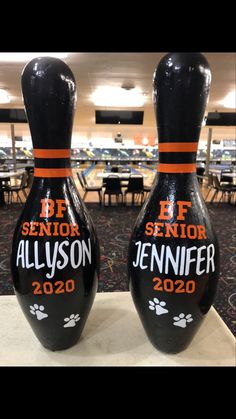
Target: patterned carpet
[{"x": 114, "y": 227}]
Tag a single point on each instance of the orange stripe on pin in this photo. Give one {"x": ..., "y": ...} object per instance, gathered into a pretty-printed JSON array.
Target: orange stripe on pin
[
  {"x": 177, "y": 168},
  {"x": 51, "y": 153},
  {"x": 177, "y": 147},
  {"x": 61, "y": 172}
]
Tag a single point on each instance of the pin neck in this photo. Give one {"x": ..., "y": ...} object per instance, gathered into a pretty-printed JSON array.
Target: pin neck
[
  {"x": 177, "y": 156},
  {"x": 53, "y": 163}
]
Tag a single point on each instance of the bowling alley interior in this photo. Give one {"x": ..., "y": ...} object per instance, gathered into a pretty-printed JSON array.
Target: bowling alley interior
[{"x": 116, "y": 160}]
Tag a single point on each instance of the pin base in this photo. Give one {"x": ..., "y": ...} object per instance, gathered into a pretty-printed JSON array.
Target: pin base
[
  {"x": 170, "y": 350},
  {"x": 171, "y": 345},
  {"x": 62, "y": 347}
]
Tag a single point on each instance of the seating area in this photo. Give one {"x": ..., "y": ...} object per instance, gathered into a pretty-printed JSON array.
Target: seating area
[
  {"x": 125, "y": 187},
  {"x": 132, "y": 189},
  {"x": 220, "y": 188},
  {"x": 117, "y": 190},
  {"x": 17, "y": 187},
  {"x": 224, "y": 188}
]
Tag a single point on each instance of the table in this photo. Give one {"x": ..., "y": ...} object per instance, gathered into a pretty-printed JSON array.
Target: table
[
  {"x": 113, "y": 336},
  {"x": 104, "y": 175},
  {"x": 5, "y": 176},
  {"x": 230, "y": 174},
  {"x": 219, "y": 172}
]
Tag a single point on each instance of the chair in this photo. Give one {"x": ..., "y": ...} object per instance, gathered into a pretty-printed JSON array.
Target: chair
[
  {"x": 112, "y": 187},
  {"x": 210, "y": 185},
  {"x": 225, "y": 189},
  {"x": 17, "y": 188},
  {"x": 30, "y": 180},
  {"x": 147, "y": 189},
  {"x": 135, "y": 187},
  {"x": 87, "y": 188},
  {"x": 200, "y": 172},
  {"x": 224, "y": 179}
]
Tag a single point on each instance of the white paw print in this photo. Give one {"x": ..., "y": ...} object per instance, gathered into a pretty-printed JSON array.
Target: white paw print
[
  {"x": 181, "y": 320},
  {"x": 158, "y": 306},
  {"x": 71, "y": 321},
  {"x": 38, "y": 311}
]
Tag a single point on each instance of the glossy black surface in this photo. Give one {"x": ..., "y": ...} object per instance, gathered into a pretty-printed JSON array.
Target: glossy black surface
[
  {"x": 160, "y": 328},
  {"x": 183, "y": 296},
  {"x": 55, "y": 268},
  {"x": 49, "y": 91},
  {"x": 180, "y": 90}
]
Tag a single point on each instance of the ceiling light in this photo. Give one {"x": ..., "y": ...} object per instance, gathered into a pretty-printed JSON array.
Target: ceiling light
[
  {"x": 230, "y": 100},
  {"x": 27, "y": 56},
  {"x": 117, "y": 97},
  {"x": 4, "y": 98}
]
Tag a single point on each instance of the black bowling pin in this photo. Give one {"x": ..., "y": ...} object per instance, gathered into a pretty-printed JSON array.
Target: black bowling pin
[
  {"x": 173, "y": 260},
  {"x": 55, "y": 252}
]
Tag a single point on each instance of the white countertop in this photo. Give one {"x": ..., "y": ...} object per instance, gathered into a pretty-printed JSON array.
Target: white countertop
[
  {"x": 113, "y": 336},
  {"x": 6, "y": 175}
]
